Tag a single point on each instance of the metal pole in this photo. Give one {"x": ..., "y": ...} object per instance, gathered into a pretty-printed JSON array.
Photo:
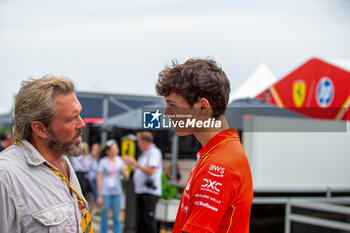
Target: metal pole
[
  {"x": 174, "y": 156},
  {"x": 287, "y": 220},
  {"x": 105, "y": 116}
]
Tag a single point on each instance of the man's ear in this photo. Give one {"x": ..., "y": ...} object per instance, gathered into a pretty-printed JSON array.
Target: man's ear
[
  {"x": 205, "y": 106},
  {"x": 39, "y": 129}
]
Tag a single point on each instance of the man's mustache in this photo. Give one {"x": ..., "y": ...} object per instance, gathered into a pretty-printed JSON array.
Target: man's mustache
[{"x": 78, "y": 133}]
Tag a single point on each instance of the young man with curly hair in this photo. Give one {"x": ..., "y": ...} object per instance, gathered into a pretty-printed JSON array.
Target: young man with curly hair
[{"x": 218, "y": 194}]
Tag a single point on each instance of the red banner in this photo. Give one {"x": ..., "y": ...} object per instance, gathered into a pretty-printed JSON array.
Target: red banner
[{"x": 316, "y": 89}]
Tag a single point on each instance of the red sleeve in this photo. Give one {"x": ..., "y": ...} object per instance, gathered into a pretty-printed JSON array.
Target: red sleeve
[{"x": 213, "y": 191}]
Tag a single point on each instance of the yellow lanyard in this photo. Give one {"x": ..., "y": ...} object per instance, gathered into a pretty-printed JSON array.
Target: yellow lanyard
[
  {"x": 81, "y": 203},
  {"x": 86, "y": 221}
]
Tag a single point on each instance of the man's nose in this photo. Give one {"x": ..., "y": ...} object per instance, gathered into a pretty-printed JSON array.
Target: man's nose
[{"x": 81, "y": 123}]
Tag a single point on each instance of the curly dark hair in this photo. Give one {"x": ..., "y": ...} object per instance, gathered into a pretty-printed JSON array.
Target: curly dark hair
[{"x": 195, "y": 79}]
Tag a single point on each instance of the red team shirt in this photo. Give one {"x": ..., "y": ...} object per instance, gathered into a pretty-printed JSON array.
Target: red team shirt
[{"x": 219, "y": 191}]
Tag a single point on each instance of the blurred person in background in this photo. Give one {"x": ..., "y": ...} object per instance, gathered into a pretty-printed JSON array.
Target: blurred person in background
[
  {"x": 82, "y": 165},
  {"x": 7, "y": 139},
  {"x": 39, "y": 191},
  {"x": 93, "y": 171},
  {"x": 110, "y": 166},
  {"x": 2, "y": 139},
  {"x": 147, "y": 181},
  {"x": 169, "y": 173}
]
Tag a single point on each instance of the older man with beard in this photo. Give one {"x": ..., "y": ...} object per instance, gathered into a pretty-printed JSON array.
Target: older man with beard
[{"x": 39, "y": 191}]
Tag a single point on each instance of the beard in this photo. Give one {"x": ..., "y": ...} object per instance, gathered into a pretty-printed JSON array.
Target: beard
[{"x": 64, "y": 148}]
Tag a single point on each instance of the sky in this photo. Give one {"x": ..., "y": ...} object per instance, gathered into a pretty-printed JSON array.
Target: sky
[{"x": 120, "y": 46}]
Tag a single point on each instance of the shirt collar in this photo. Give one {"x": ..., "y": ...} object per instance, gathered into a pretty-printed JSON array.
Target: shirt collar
[
  {"x": 32, "y": 155},
  {"x": 150, "y": 147},
  {"x": 219, "y": 137}
]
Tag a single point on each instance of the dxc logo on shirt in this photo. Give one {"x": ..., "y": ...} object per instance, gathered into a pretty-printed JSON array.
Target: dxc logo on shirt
[{"x": 211, "y": 184}]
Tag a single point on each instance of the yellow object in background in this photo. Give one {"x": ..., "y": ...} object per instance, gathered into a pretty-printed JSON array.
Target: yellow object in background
[
  {"x": 128, "y": 147},
  {"x": 299, "y": 92}
]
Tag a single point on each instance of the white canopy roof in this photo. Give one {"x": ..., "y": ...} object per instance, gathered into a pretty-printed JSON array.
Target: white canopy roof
[
  {"x": 341, "y": 63},
  {"x": 258, "y": 81}
]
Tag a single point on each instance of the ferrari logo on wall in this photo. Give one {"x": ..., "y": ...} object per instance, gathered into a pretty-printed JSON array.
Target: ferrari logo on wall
[{"x": 299, "y": 92}]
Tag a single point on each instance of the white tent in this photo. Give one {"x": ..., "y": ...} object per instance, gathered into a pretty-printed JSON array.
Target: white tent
[
  {"x": 341, "y": 63},
  {"x": 258, "y": 81}
]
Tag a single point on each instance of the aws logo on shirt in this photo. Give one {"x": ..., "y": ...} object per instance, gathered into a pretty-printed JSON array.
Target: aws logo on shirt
[{"x": 217, "y": 171}]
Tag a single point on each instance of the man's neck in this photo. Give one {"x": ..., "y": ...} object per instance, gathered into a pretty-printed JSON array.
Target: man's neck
[
  {"x": 204, "y": 137},
  {"x": 52, "y": 157},
  {"x": 111, "y": 158},
  {"x": 47, "y": 153},
  {"x": 148, "y": 146}
]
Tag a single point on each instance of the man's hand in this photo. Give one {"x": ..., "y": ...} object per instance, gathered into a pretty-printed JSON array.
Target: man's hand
[
  {"x": 130, "y": 161},
  {"x": 100, "y": 201}
]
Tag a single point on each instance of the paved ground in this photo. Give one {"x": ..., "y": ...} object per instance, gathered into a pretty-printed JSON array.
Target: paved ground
[{"x": 96, "y": 226}]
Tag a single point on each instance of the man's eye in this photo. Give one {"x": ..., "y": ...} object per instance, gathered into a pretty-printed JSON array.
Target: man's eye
[{"x": 72, "y": 119}]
